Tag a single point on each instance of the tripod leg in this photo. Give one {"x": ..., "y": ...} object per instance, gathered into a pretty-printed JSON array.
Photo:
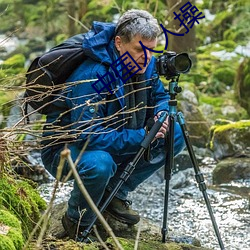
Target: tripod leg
[
  {"x": 199, "y": 177},
  {"x": 129, "y": 168},
  {"x": 168, "y": 173}
]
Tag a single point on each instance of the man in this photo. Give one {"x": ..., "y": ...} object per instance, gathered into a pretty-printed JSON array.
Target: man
[{"x": 110, "y": 121}]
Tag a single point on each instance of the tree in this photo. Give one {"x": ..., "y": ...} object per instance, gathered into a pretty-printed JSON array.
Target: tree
[{"x": 186, "y": 43}]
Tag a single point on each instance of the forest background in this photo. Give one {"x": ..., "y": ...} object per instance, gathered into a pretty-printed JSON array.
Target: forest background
[{"x": 218, "y": 45}]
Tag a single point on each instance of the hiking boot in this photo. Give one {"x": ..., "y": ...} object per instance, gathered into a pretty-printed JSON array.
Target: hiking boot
[
  {"x": 121, "y": 211},
  {"x": 75, "y": 231}
]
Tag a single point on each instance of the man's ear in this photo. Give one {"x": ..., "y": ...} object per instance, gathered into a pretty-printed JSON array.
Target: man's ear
[{"x": 118, "y": 43}]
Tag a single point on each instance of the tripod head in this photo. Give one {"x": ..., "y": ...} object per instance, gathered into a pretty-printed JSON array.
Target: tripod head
[{"x": 174, "y": 89}]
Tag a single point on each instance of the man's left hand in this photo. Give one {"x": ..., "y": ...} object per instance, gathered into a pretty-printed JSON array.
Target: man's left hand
[{"x": 164, "y": 128}]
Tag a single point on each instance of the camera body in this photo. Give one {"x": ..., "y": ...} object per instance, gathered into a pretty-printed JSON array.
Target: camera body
[{"x": 172, "y": 65}]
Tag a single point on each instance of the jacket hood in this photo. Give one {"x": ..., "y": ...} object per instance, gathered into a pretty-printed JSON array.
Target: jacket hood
[{"x": 98, "y": 42}]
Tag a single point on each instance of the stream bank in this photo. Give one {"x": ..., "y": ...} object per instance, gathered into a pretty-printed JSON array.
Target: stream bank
[{"x": 188, "y": 215}]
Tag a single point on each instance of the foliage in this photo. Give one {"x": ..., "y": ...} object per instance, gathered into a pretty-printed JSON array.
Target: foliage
[
  {"x": 13, "y": 238},
  {"x": 12, "y": 68},
  {"x": 22, "y": 200},
  {"x": 242, "y": 84}
]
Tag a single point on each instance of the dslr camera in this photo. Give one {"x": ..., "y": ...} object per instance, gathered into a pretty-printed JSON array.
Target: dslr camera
[{"x": 172, "y": 65}]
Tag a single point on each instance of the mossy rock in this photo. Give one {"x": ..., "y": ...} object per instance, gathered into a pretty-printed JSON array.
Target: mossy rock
[
  {"x": 22, "y": 200},
  {"x": 10, "y": 231},
  {"x": 224, "y": 75},
  {"x": 231, "y": 169},
  {"x": 232, "y": 139},
  {"x": 219, "y": 107},
  {"x": 128, "y": 244}
]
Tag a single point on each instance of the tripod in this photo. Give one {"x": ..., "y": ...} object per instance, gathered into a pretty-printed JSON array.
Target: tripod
[
  {"x": 173, "y": 90},
  {"x": 169, "y": 163}
]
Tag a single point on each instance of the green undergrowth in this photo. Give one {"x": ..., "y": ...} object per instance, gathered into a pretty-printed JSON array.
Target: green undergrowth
[
  {"x": 20, "y": 209},
  {"x": 10, "y": 231}
]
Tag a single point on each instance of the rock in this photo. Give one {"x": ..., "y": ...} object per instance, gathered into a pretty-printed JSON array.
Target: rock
[
  {"x": 227, "y": 110},
  {"x": 188, "y": 95},
  {"x": 232, "y": 139},
  {"x": 197, "y": 125},
  {"x": 231, "y": 169},
  {"x": 181, "y": 179},
  {"x": 149, "y": 238}
]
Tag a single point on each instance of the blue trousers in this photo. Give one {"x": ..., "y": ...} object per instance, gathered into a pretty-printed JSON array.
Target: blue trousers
[{"x": 100, "y": 170}]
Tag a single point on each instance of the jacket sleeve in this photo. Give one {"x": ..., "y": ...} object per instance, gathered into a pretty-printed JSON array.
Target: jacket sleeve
[{"x": 88, "y": 117}]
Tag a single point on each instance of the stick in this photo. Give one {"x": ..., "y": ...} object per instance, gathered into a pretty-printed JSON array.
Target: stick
[{"x": 66, "y": 154}]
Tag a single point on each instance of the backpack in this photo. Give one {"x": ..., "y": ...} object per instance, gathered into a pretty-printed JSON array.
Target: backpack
[{"x": 48, "y": 73}]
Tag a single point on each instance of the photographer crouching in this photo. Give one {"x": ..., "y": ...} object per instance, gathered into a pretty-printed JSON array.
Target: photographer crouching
[{"x": 109, "y": 117}]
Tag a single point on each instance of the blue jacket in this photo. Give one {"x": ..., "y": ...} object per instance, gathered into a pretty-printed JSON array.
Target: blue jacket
[{"x": 99, "y": 117}]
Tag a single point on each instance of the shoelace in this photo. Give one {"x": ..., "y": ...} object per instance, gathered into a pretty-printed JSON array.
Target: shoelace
[{"x": 127, "y": 203}]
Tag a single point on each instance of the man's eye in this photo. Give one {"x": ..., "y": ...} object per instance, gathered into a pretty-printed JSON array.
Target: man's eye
[{"x": 139, "y": 49}]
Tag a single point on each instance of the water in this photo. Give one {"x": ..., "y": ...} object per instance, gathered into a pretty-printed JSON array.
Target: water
[{"x": 188, "y": 215}]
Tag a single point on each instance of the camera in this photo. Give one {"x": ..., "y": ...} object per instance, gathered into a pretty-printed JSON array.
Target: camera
[{"x": 172, "y": 65}]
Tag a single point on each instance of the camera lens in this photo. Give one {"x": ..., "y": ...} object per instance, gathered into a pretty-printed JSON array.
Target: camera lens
[{"x": 182, "y": 63}]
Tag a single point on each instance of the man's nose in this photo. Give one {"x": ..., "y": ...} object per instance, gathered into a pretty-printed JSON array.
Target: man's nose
[{"x": 148, "y": 54}]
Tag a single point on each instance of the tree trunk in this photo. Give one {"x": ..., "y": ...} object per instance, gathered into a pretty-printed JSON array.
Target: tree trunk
[
  {"x": 72, "y": 13},
  {"x": 83, "y": 7},
  {"x": 186, "y": 43}
]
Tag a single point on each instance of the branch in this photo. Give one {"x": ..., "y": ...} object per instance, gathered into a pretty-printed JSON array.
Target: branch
[{"x": 66, "y": 154}]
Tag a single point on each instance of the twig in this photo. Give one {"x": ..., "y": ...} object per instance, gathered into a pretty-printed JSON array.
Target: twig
[
  {"x": 66, "y": 154},
  {"x": 45, "y": 217},
  {"x": 99, "y": 238},
  {"x": 77, "y": 21},
  {"x": 137, "y": 236}
]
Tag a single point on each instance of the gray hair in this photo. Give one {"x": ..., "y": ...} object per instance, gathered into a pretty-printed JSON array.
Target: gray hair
[{"x": 137, "y": 22}]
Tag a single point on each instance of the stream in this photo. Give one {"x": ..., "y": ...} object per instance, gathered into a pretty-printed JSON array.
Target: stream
[{"x": 187, "y": 212}]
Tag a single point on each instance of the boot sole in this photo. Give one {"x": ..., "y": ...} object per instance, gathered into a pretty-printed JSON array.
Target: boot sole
[{"x": 121, "y": 219}]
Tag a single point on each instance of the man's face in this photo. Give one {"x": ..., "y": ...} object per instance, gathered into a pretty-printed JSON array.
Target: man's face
[{"x": 135, "y": 49}]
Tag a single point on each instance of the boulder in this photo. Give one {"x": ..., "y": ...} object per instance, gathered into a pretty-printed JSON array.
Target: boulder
[
  {"x": 231, "y": 169},
  {"x": 150, "y": 235},
  {"x": 197, "y": 125},
  {"x": 231, "y": 139}
]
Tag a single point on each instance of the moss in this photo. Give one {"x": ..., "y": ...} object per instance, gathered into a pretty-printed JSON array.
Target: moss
[
  {"x": 13, "y": 239},
  {"x": 22, "y": 200},
  {"x": 219, "y": 103},
  {"x": 229, "y": 45},
  {"x": 221, "y": 133},
  {"x": 212, "y": 100},
  {"x": 16, "y": 237},
  {"x": 236, "y": 125},
  {"x": 6, "y": 243},
  {"x": 13, "y": 71},
  {"x": 128, "y": 244},
  {"x": 17, "y": 61},
  {"x": 224, "y": 75},
  {"x": 10, "y": 220}
]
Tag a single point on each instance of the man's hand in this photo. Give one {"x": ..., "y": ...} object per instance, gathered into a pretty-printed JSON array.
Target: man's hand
[{"x": 164, "y": 128}]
